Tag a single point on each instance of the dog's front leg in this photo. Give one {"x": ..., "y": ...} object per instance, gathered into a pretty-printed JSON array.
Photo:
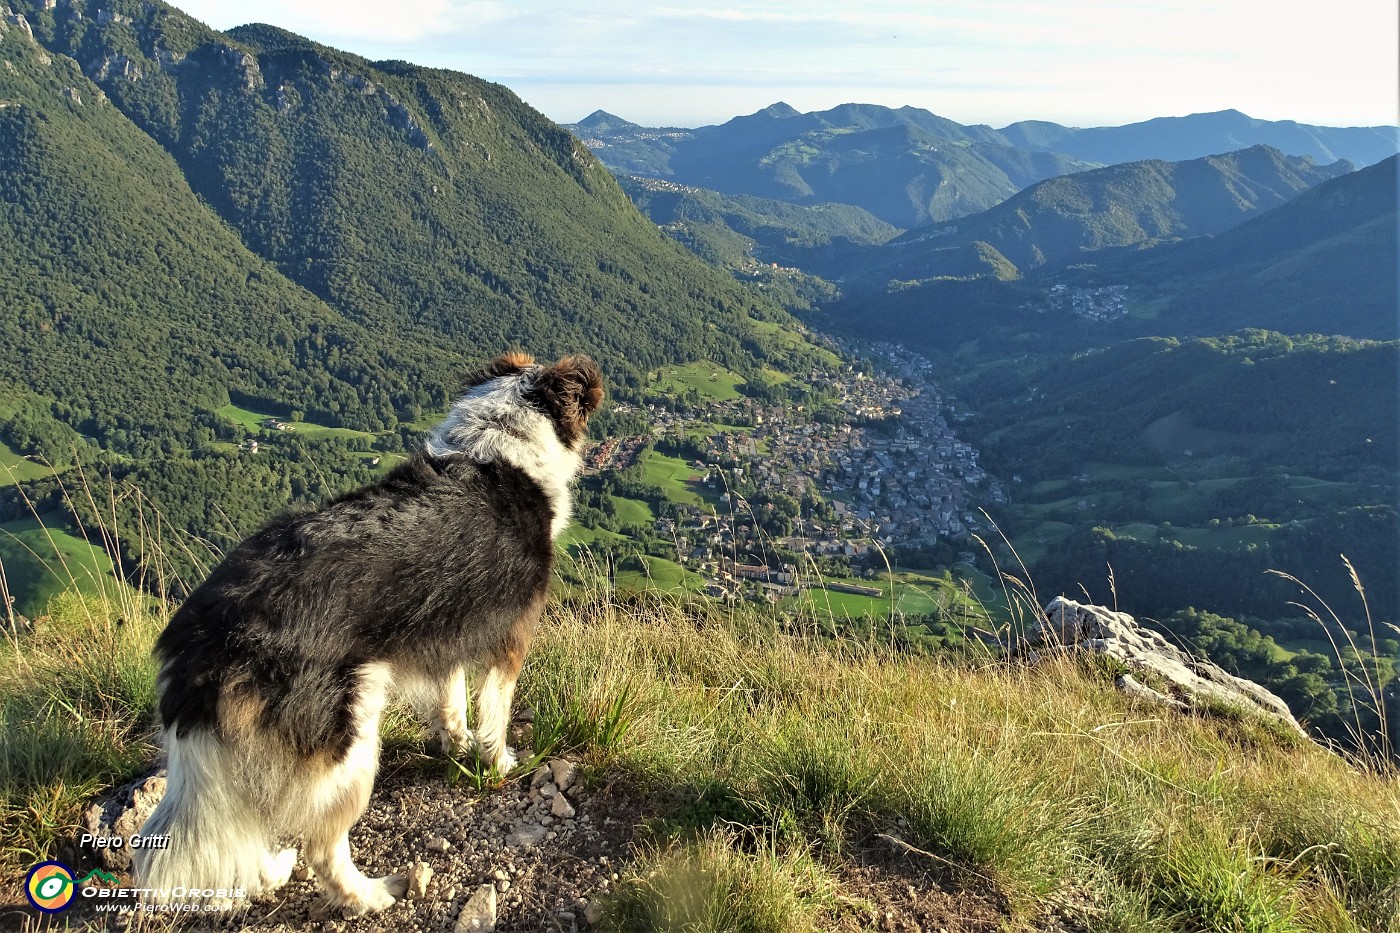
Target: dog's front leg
[
  {"x": 493, "y": 710},
  {"x": 450, "y": 722}
]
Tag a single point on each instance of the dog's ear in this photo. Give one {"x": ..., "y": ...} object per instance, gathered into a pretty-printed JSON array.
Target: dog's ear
[
  {"x": 570, "y": 391},
  {"x": 507, "y": 364}
]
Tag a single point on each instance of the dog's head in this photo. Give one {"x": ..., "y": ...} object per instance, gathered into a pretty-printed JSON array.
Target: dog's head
[{"x": 567, "y": 392}]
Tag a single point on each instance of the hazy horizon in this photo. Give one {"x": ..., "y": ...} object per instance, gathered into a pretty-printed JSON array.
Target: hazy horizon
[{"x": 994, "y": 62}]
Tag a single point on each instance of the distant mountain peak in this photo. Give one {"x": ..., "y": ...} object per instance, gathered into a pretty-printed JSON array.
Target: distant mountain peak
[
  {"x": 781, "y": 109},
  {"x": 602, "y": 120}
]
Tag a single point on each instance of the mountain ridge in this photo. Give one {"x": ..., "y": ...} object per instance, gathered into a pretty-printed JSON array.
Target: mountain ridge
[
  {"x": 1070, "y": 217},
  {"x": 840, "y": 154},
  {"x": 1200, "y": 134},
  {"x": 904, "y": 165}
]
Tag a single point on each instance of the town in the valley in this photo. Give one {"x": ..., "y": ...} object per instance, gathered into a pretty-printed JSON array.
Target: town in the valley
[{"x": 787, "y": 498}]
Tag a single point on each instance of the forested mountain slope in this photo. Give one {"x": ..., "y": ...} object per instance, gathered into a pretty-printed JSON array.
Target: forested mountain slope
[
  {"x": 1325, "y": 262},
  {"x": 423, "y": 202},
  {"x": 1136, "y": 204},
  {"x": 200, "y": 231},
  {"x": 129, "y": 304}
]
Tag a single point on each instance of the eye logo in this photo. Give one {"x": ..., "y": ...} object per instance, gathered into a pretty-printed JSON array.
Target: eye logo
[{"x": 49, "y": 887}]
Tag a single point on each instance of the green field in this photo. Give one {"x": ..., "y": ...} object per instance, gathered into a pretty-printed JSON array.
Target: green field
[
  {"x": 1035, "y": 544},
  {"x": 41, "y": 560},
  {"x": 907, "y": 595},
  {"x": 660, "y": 574},
  {"x": 16, "y": 468},
  {"x": 632, "y": 513},
  {"x": 775, "y": 331},
  {"x": 1223, "y": 538},
  {"x": 672, "y": 476},
  {"x": 576, "y": 538},
  {"x": 710, "y": 380},
  {"x": 252, "y": 420}
]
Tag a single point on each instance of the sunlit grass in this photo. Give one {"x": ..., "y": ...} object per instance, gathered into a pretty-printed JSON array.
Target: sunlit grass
[{"x": 771, "y": 757}]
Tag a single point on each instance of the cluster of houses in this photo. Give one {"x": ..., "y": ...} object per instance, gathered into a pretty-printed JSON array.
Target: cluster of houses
[
  {"x": 1101, "y": 303},
  {"x": 893, "y": 473}
]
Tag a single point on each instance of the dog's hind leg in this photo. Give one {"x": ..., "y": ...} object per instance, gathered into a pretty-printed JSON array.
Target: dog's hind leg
[
  {"x": 338, "y": 797},
  {"x": 450, "y": 720}
]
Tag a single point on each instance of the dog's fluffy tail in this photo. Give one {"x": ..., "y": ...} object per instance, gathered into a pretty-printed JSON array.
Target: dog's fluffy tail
[{"x": 217, "y": 836}]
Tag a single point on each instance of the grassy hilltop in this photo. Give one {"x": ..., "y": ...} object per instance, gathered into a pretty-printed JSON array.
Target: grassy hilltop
[{"x": 783, "y": 780}]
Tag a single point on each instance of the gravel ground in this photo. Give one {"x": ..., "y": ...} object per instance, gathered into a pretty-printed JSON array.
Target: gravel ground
[
  {"x": 545, "y": 868},
  {"x": 546, "y": 845}
]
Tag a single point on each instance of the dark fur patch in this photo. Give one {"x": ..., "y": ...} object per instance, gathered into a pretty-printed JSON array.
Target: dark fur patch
[{"x": 569, "y": 391}]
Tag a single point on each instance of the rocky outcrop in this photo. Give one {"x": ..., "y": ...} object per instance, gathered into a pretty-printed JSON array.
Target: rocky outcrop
[
  {"x": 106, "y": 17},
  {"x": 1158, "y": 671},
  {"x": 393, "y": 111},
  {"x": 401, "y": 118},
  {"x": 121, "y": 816},
  {"x": 17, "y": 20},
  {"x": 244, "y": 65},
  {"x": 114, "y": 66}
]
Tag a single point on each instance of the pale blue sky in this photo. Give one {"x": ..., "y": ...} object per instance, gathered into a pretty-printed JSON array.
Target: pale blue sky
[{"x": 976, "y": 61}]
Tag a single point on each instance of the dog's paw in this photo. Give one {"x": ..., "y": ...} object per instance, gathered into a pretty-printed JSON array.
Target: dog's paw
[
  {"x": 376, "y": 894},
  {"x": 456, "y": 741},
  {"x": 505, "y": 762},
  {"x": 276, "y": 870}
]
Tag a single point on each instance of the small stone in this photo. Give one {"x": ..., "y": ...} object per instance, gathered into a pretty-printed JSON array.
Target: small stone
[
  {"x": 503, "y": 886},
  {"x": 542, "y": 774},
  {"x": 526, "y": 837},
  {"x": 439, "y": 844},
  {"x": 548, "y": 790},
  {"x": 564, "y": 772},
  {"x": 302, "y": 873},
  {"x": 593, "y": 912},
  {"x": 418, "y": 877},
  {"x": 478, "y": 914},
  {"x": 562, "y": 808},
  {"x": 501, "y": 875}
]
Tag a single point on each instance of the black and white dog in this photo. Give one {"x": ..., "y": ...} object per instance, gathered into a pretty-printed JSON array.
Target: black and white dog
[{"x": 275, "y": 671}]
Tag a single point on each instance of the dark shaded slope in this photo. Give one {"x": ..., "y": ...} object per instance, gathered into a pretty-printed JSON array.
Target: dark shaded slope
[{"x": 1325, "y": 262}]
